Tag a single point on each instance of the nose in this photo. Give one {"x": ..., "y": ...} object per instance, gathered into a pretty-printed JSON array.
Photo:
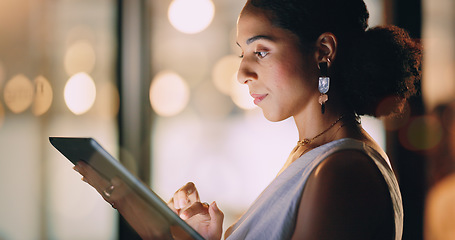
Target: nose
[{"x": 246, "y": 73}]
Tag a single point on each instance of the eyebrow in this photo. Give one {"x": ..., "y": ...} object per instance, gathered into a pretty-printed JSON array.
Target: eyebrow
[{"x": 258, "y": 37}]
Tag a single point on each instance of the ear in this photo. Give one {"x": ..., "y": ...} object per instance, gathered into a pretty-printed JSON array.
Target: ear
[{"x": 326, "y": 46}]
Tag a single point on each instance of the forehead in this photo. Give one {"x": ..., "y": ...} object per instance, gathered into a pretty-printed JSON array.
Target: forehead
[
  {"x": 253, "y": 19},
  {"x": 254, "y": 22}
]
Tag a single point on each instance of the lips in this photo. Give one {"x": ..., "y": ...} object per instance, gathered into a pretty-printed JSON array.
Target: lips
[{"x": 258, "y": 98}]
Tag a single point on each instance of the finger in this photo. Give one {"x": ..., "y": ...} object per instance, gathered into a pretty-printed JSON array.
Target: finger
[
  {"x": 92, "y": 177},
  {"x": 195, "y": 209},
  {"x": 191, "y": 192},
  {"x": 80, "y": 167},
  {"x": 216, "y": 220},
  {"x": 185, "y": 196},
  {"x": 170, "y": 204},
  {"x": 120, "y": 190},
  {"x": 181, "y": 200}
]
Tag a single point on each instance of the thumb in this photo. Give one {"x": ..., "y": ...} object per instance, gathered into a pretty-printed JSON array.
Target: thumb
[{"x": 216, "y": 221}]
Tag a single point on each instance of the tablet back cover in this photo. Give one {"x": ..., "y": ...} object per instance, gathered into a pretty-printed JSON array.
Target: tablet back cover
[{"x": 89, "y": 151}]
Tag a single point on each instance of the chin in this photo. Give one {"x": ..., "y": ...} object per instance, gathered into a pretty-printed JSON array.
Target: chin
[{"x": 272, "y": 117}]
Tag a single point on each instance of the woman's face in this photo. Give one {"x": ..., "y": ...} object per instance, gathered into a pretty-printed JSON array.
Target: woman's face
[{"x": 281, "y": 79}]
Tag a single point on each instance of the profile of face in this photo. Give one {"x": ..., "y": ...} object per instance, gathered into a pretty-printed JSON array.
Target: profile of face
[{"x": 281, "y": 79}]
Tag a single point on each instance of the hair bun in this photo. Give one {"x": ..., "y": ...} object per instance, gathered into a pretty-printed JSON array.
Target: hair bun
[{"x": 384, "y": 63}]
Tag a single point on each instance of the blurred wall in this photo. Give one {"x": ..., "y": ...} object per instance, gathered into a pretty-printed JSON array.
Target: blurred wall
[
  {"x": 56, "y": 79},
  {"x": 209, "y": 133},
  {"x": 439, "y": 58},
  {"x": 439, "y": 91}
]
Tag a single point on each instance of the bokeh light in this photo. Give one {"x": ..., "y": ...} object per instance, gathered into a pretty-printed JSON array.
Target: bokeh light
[
  {"x": 191, "y": 16},
  {"x": 43, "y": 96},
  {"x": 223, "y": 71},
  {"x": 80, "y": 93},
  {"x": 241, "y": 95},
  {"x": 439, "y": 212},
  {"x": 18, "y": 93},
  {"x": 80, "y": 57},
  {"x": 169, "y": 94},
  {"x": 422, "y": 133}
]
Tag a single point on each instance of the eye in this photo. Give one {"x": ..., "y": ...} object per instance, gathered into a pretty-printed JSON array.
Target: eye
[
  {"x": 241, "y": 56},
  {"x": 261, "y": 54}
]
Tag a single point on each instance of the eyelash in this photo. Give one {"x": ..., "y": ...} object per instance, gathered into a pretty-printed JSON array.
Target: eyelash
[{"x": 259, "y": 54}]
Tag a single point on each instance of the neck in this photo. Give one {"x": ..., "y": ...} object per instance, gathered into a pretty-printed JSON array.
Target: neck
[{"x": 321, "y": 129}]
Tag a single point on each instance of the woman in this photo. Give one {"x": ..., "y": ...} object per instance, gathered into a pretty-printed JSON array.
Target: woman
[{"x": 316, "y": 62}]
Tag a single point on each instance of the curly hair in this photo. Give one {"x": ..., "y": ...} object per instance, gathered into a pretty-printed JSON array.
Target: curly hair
[{"x": 371, "y": 65}]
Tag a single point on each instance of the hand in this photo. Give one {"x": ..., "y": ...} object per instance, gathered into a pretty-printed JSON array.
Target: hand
[
  {"x": 103, "y": 186},
  {"x": 206, "y": 219},
  {"x": 145, "y": 220}
]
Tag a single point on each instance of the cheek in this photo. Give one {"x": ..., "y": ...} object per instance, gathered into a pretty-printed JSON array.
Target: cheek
[{"x": 290, "y": 76}]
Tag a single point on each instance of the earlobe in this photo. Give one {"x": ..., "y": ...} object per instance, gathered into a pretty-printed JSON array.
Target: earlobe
[{"x": 327, "y": 47}]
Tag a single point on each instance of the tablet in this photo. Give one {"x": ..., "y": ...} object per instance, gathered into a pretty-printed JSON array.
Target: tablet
[{"x": 89, "y": 151}]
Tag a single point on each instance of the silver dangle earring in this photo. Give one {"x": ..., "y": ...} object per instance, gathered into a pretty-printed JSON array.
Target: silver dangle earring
[{"x": 324, "y": 84}]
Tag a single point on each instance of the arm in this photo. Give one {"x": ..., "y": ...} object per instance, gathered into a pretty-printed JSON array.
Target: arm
[{"x": 345, "y": 197}]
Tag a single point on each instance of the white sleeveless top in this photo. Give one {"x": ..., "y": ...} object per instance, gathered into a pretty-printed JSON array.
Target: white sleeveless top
[{"x": 274, "y": 213}]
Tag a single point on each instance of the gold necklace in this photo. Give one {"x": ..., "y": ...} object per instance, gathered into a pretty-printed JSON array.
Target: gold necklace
[
  {"x": 308, "y": 141},
  {"x": 298, "y": 151}
]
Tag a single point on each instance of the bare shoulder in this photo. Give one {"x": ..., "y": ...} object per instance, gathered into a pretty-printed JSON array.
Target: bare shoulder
[
  {"x": 345, "y": 197},
  {"x": 346, "y": 169}
]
